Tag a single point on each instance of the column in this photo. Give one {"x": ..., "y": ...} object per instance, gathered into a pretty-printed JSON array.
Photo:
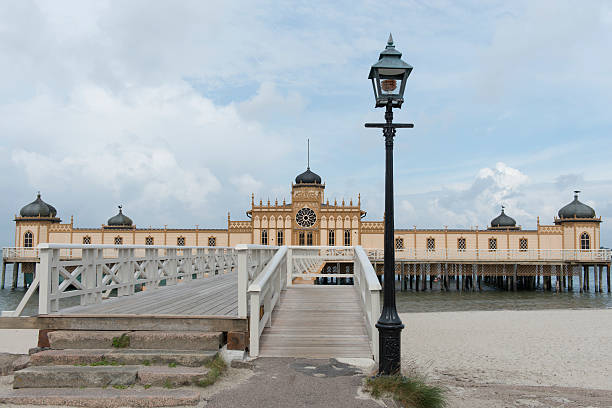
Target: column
[{"x": 15, "y": 275}]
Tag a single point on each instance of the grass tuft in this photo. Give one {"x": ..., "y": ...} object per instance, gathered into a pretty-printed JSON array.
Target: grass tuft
[
  {"x": 172, "y": 364},
  {"x": 120, "y": 386},
  {"x": 146, "y": 363},
  {"x": 216, "y": 369},
  {"x": 104, "y": 362},
  {"x": 410, "y": 392},
  {"x": 122, "y": 341}
]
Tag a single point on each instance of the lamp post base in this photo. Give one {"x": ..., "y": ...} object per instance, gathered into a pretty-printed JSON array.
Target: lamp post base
[{"x": 390, "y": 348}]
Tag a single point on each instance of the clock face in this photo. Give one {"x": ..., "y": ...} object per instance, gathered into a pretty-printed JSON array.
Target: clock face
[{"x": 305, "y": 217}]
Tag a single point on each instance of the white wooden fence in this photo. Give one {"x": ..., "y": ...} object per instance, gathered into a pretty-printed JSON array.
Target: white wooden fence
[
  {"x": 502, "y": 255},
  {"x": 99, "y": 269}
]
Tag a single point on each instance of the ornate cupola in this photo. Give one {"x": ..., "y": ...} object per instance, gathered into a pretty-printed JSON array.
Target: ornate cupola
[
  {"x": 120, "y": 221},
  {"x": 503, "y": 222},
  {"x": 308, "y": 177},
  {"x": 38, "y": 210},
  {"x": 576, "y": 211}
]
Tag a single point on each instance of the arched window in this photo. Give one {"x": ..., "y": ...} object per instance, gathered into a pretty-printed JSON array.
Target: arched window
[
  {"x": 331, "y": 238},
  {"x": 301, "y": 240},
  {"x": 492, "y": 244},
  {"x": 523, "y": 244},
  {"x": 279, "y": 238},
  {"x": 461, "y": 244},
  {"x": 309, "y": 238},
  {"x": 212, "y": 241},
  {"x": 28, "y": 240},
  {"x": 149, "y": 240},
  {"x": 118, "y": 240},
  {"x": 264, "y": 237},
  {"x": 347, "y": 237},
  {"x": 86, "y": 240},
  {"x": 585, "y": 241},
  {"x": 431, "y": 244},
  {"x": 399, "y": 243},
  {"x": 180, "y": 241}
]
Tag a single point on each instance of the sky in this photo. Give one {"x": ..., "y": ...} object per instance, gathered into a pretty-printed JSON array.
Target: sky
[{"x": 181, "y": 110}]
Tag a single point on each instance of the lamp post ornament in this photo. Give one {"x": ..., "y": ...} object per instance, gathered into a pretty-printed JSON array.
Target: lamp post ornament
[{"x": 389, "y": 77}]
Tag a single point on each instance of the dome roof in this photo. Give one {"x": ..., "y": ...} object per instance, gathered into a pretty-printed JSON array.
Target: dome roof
[
  {"x": 503, "y": 221},
  {"x": 308, "y": 177},
  {"x": 576, "y": 209},
  {"x": 119, "y": 220},
  {"x": 38, "y": 208}
]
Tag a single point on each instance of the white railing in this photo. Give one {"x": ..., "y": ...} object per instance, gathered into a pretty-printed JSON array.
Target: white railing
[
  {"x": 307, "y": 261},
  {"x": 100, "y": 269},
  {"x": 264, "y": 294},
  {"x": 19, "y": 252},
  {"x": 509, "y": 255},
  {"x": 252, "y": 259},
  {"x": 369, "y": 290}
]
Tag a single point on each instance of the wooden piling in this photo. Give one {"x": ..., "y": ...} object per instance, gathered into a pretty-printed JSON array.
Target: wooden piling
[
  {"x": 514, "y": 277},
  {"x": 581, "y": 283},
  {"x": 4, "y": 274},
  {"x": 15, "y": 275},
  {"x": 608, "y": 276},
  {"x": 600, "y": 272}
]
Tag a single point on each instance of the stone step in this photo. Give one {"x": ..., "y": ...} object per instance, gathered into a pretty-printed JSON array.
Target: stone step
[
  {"x": 164, "y": 376},
  {"x": 179, "y": 340},
  {"x": 101, "y": 398},
  {"x": 187, "y": 358},
  {"x": 75, "y": 376}
]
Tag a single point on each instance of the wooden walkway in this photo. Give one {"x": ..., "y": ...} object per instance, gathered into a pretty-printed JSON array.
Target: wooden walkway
[
  {"x": 213, "y": 296},
  {"x": 317, "y": 322}
]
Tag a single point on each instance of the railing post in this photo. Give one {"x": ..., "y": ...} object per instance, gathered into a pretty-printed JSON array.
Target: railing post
[
  {"x": 88, "y": 275},
  {"x": 289, "y": 267},
  {"x": 243, "y": 279},
  {"x": 254, "y": 325},
  {"x": 43, "y": 270}
]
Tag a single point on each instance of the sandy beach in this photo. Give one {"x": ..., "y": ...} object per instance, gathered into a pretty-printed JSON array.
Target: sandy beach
[{"x": 548, "y": 352}]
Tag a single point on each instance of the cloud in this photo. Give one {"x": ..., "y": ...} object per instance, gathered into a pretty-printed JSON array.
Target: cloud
[
  {"x": 269, "y": 103},
  {"x": 246, "y": 184}
]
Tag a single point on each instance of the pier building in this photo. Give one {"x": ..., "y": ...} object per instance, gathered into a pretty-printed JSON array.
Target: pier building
[{"x": 504, "y": 248}]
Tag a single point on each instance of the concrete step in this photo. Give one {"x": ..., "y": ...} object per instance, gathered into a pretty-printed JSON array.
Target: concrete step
[
  {"x": 187, "y": 358},
  {"x": 101, "y": 398},
  {"x": 75, "y": 376},
  {"x": 164, "y": 376},
  {"x": 179, "y": 340}
]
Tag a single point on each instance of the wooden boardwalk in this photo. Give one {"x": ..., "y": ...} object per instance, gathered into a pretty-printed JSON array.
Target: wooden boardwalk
[
  {"x": 317, "y": 322},
  {"x": 213, "y": 296}
]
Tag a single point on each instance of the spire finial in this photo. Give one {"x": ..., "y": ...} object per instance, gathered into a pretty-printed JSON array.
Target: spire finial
[
  {"x": 503, "y": 208},
  {"x": 120, "y": 208},
  {"x": 38, "y": 194},
  {"x": 576, "y": 192},
  {"x": 308, "y": 162},
  {"x": 390, "y": 40}
]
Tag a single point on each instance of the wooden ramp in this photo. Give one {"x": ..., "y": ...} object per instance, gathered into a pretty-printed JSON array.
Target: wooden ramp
[
  {"x": 212, "y": 296},
  {"x": 317, "y": 322}
]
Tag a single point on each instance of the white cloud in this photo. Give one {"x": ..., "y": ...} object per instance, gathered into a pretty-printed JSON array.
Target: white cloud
[
  {"x": 246, "y": 184},
  {"x": 268, "y": 102}
]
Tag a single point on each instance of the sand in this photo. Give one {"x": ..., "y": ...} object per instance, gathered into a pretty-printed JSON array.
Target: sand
[{"x": 497, "y": 352}]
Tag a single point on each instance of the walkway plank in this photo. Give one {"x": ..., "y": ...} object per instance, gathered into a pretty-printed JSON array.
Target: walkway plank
[{"x": 317, "y": 322}]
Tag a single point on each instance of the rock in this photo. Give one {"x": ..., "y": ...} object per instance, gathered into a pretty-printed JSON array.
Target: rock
[
  {"x": 74, "y": 376},
  {"x": 182, "y": 340},
  {"x": 171, "y": 376},
  {"x": 83, "y": 339}
]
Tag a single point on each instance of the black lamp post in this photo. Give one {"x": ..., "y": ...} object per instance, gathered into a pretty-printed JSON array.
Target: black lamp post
[{"x": 389, "y": 77}]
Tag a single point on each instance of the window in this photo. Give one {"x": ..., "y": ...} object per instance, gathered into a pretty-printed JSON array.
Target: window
[
  {"x": 86, "y": 240},
  {"x": 309, "y": 238},
  {"x": 180, "y": 241},
  {"x": 280, "y": 238},
  {"x": 149, "y": 240},
  {"x": 212, "y": 241},
  {"x": 28, "y": 240},
  {"x": 399, "y": 243},
  {"x": 585, "y": 241},
  {"x": 264, "y": 237},
  {"x": 347, "y": 237},
  {"x": 492, "y": 244},
  {"x": 523, "y": 244},
  {"x": 118, "y": 241},
  {"x": 461, "y": 244},
  {"x": 331, "y": 238},
  {"x": 431, "y": 244},
  {"x": 301, "y": 238}
]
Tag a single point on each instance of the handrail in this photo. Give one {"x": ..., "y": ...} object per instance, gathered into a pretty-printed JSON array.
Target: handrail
[
  {"x": 252, "y": 260},
  {"x": 368, "y": 288},
  {"x": 93, "y": 276},
  {"x": 264, "y": 294}
]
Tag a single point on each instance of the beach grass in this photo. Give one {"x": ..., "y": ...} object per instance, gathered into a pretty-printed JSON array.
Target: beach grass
[
  {"x": 216, "y": 369},
  {"x": 410, "y": 392}
]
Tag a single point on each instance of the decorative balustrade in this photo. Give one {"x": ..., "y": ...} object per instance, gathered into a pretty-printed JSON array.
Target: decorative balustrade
[
  {"x": 501, "y": 255},
  {"x": 306, "y": 261},
  {"x": 19, "y": 253},
  {"x": 100, "y": 269}
]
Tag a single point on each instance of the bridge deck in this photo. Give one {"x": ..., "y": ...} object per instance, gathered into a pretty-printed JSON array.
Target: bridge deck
[
  {"x": 213, "y": 296},
  {"x": 317, "y": 322}
]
